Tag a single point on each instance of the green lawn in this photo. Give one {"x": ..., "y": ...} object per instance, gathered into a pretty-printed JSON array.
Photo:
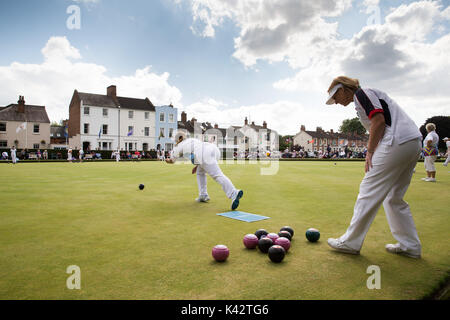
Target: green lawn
[{"x": 156, "y": 243}]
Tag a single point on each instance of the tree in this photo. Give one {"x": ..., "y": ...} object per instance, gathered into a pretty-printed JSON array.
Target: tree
[
  {"x": 285, "y": 142},
  {"x": 442, "y": 129},
  {"x": 352, "y": 125}
]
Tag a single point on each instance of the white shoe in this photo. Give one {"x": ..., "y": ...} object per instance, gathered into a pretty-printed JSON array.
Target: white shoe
[
  {"x": 430, "y": 179},
  {"x": 424, "y": 179},
  {"x": 203, "y": 199},
  {"x": 395, "y": 248},
  {"x": 340, "y": 246}
]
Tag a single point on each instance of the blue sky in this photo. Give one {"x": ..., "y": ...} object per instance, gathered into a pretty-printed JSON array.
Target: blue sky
[{"x": 209, "y": 76}]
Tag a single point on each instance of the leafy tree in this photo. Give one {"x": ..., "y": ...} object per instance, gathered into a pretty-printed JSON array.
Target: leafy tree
[
  {"x": 285, "y": 142},
  {"x": 442, "y": 129},
  {"x": 352, "y": 125}
]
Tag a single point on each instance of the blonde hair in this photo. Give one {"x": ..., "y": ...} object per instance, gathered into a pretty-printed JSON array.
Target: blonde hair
[
  {"x": 430, "y": 127},
  {"x": 350, "y": 83}
]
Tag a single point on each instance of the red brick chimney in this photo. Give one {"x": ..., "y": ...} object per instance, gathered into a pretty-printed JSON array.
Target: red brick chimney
[
  {"x": 21, "y": 104},
  {"x": 246, "y": 121},
  {"x": 302, "y": 128},
  {"x": 184, "y": 117},
  {"x": 265, "y": 125},
  {"x": 111, "y": 91},
  {"x": 216, "y": 126}
]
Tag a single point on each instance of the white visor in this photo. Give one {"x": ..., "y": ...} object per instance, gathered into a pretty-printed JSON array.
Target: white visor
[{"x": 330, "y": 99}]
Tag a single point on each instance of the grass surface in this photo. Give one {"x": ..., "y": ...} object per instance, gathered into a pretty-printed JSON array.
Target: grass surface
[{"x": 156, "y": 243}]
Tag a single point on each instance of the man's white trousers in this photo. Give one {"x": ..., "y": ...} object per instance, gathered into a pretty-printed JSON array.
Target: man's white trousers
[{"x": 210, "y": 166}]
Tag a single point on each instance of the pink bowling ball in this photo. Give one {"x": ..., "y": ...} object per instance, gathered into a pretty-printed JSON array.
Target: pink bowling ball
[
  {"x": 273, "y": 236},
  {"x": 220, "y": 252},
  {"x": 284, "y": 242},
  {"x": 250, "y": 241}
]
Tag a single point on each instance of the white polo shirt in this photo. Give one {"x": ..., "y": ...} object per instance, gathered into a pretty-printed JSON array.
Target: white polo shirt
[
  {"x": 433, "y": 136},
  {"x": 399, "y": 126}
]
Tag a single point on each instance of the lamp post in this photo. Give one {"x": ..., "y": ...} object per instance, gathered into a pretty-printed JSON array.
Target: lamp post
[{"x": 118, "y": 132}]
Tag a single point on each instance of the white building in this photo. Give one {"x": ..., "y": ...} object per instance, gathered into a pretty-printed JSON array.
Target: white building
[{"x": 95, "y": 119}]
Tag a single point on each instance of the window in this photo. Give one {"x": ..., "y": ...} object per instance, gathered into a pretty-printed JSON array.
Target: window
[
  {"x": 171, "y": 118},
  {"x": 86, "y": 128},
  {"x": 86, "y": 111},
  {"x": 36, "y": 129},
  {"x": 161, "y": 117},
  {"x": 130, "y": 130},
  {"x": 161, "y": 133},
  {"x": 105, "y": 145},
  {"x": 3, "y": 143},
  {"x": 2, "y": 126},
  {"x": 51, "y": 134},
  {"x": 35, "y": 145},
  {"x": 145, "y": 146},
  {"x": 105, "y": 129},
  {"x": 170, "y": 132},
  {"x": 147, "y": 131},
  {"x": 130, "y": 114},
  {"x": 105, "y": 112},
  {"x": 147, "y": 115},
  {"x": 58, "y": 134}
]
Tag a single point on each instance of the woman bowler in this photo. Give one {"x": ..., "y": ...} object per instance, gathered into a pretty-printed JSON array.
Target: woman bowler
[{"x": 393, "y": 150}]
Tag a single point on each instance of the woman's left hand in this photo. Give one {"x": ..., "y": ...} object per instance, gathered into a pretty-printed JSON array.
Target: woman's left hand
[{"x": 369, "y": 165}]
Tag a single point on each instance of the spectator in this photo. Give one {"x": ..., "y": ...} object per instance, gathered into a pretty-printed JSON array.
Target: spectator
[
  {"x": 4, "y": 155},
  {"x": 45, "y": 155}
]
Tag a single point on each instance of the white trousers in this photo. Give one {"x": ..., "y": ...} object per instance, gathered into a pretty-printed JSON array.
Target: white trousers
[
  {"x": 447, "y": 160},
  {"x": 386, "y": 183},
  {"x": 429, "y": 163},
  {"x": 210, "y": 166}
]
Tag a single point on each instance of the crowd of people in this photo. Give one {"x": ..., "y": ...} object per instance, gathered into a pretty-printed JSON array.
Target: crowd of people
[{"x": 329, "y": 153}]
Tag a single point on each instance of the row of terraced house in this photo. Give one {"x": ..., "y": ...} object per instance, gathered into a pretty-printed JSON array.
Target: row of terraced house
[{"x": 111, "y": 122}]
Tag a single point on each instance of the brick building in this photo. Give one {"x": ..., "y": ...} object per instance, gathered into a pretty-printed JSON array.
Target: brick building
[
  {"x": 24, "y": 126},
  {"x": 319, "y": 140}
]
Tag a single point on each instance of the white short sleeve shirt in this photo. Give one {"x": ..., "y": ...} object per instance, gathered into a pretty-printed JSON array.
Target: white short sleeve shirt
[{"x": 399, "y": 125}]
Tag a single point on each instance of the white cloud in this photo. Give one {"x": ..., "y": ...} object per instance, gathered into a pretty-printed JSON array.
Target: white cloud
[
  {"x": 52, "y": 82},
  {"x": 397, "y": 56},
  {"x": 285, "y": 117}
]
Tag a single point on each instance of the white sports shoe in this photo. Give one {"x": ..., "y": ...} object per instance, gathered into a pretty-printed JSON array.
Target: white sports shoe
[
  {"x": 340, "y": 246},
  {"x": 430, "y": 179},
  {"x": 395, "y": 248},
  {"x": 424, "y": 179},
  {"x": 203, "y": 199}
]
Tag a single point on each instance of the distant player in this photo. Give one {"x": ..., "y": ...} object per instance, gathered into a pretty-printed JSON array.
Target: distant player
[
  {"x": 81, "y": 155},
  {"x": 204, "y": 156},
  {"x": 447, "y": 142},
  {"x": 13, "y": 155},
  {"x": 117, "y": 155},
  {"x": 69, "y": 155}
]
